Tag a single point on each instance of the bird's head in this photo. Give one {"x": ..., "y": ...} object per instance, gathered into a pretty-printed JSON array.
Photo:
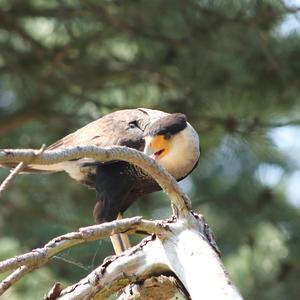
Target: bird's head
[{"x": 173, "y": 143}]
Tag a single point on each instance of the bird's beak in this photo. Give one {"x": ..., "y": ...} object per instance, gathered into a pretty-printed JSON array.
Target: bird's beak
[
  {"x": 148, "y": 150},
  {"x": 156, "y": 146}
]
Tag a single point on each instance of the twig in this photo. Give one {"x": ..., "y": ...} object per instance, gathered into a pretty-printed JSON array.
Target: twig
[
  {"x": 4, "y": 185},
  {"x": 14, "y": 277},
  {"x": 40, "y": 256}
]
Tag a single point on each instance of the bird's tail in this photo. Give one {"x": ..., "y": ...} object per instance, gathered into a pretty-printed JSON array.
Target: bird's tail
[{"x": 34, "y": 168}]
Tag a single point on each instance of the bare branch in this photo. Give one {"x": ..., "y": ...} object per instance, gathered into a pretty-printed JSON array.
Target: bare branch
[
  {"x": 135, "y": 264},
  {"x": 4, "y": 185},
  {"x": 14, "y": 277},
  {"x": 170, "y": 250},
  {"x": 180, "y": 202},
  {"x": 195, "y": 263},
  {"x": 40, "y": 256}
]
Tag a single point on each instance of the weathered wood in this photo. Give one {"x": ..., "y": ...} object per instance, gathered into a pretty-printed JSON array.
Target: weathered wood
[{"x": 182, "y": 245}]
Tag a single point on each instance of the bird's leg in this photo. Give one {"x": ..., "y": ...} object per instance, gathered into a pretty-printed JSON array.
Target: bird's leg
[
  {"x": 117, "y": 244},
  {"x": 120, "y": 241},
  {"x": 124, "y": 236},
  {"x": 115, "y": 238}
]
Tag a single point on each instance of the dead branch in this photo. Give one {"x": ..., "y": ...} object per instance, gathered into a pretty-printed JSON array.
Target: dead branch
[
  {"x": 13, "y": 278},
  {"x": 183, "y": 251},
  {"x": 183, "y": 245},
  {"x": 4, "y": 185},
  {"x": 180, "y": 202},
  {"x": 40, "y": 256}
]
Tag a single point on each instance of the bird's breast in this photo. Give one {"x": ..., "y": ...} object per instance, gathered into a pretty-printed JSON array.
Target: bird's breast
[{"x": 85, "y": 173}]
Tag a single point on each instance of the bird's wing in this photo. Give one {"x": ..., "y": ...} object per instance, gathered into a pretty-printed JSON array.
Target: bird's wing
[{"x": 121, "y": 128}]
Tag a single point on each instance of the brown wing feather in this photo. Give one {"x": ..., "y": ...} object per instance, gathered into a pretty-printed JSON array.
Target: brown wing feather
[{"x": 112, "y": 129}]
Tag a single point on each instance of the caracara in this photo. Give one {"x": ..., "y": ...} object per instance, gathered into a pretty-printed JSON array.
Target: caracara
[{"x": 167, "y": 138}]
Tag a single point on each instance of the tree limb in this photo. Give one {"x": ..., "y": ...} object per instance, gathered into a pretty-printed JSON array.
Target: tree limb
[
  {"x": 197, "y": 266},
  {"x": 5, "y": 183},
  {"x": 15, "y": 276},
  {"x": 183, "y": 245},
  {"x": 40, "y": 256},
  {"x": 180, "y": 202},
  {"x": 16, "y": 171}
]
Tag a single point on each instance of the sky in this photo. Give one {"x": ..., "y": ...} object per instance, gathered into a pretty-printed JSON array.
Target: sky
[
  {"x": 292, "y": 21},
  {"x": 287, "y": 138}
]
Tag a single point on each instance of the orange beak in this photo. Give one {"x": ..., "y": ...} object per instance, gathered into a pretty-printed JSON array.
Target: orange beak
[{"x": 157, "y": 146}]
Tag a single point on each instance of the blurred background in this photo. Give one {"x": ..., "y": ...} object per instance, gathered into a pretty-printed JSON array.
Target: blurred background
[{"x": 233, "y": 67}]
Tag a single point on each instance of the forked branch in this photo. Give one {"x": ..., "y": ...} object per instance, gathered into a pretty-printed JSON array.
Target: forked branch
[
  {"x": 38, "y": 257},
  {"x": 16, "y": 171},
  {"x": 182, "y": 245}
]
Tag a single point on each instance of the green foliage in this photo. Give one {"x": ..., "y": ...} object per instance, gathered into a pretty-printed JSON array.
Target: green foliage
[
  {"x": 230, "y": 66},
  {"x": 252, "y": 257},
  {"x": 31, "y": 286}
]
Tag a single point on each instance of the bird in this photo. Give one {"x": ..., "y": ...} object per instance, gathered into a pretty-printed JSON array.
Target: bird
[{"x": 166, "y": 137}]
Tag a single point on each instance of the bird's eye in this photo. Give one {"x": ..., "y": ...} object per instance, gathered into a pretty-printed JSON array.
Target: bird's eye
[
  {"x": 167, "y": 136},
  {"x": 133, "y": 124}
]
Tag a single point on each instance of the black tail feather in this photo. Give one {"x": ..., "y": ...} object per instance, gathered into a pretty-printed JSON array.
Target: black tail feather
[{"x": 113, "y": 184}]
